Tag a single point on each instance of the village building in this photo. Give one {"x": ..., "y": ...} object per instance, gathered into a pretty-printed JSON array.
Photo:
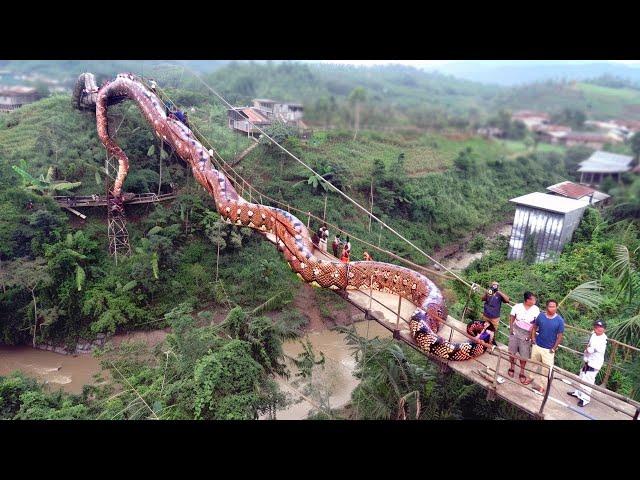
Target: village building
[
  {"x": 245, "y": 119},
  {"x": 618, "y": 132},
  {"x": 490, "y": 132},
  {"x": 587, "y": 139},
  {"x": 551, "y": 133},
  {"x": 542, "y": 225},
  {"x": 530, "y": 118},
  {"x": 582, "y": 193},
  {"x": 632, "y": 126},
  {"x": 263, "y": 113},
  {"x": 601, "y": 165},
  {"x": 12, "y": 98}
]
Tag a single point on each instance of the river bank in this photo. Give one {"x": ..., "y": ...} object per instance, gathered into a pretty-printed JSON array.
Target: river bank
[{"x": 330, "y": 385}]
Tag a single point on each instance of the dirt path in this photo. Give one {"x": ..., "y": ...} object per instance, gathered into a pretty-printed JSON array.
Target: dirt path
[{"x": 461, "y": 259}]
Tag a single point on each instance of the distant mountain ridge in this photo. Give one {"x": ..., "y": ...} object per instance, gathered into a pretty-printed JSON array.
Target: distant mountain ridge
[{"x": 514, "y": 74}]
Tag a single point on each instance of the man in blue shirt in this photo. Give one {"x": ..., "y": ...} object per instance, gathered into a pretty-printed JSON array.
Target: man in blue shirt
[
  {"x": 493, "y": 301},
  {"x": 550, "y": 327}
]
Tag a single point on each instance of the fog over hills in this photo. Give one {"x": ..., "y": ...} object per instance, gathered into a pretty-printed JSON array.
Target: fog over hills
[{"x": 507, "y": 73}]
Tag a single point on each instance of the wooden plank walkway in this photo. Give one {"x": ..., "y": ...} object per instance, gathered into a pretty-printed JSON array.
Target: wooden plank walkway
[
  {"x": 383, "y": 308},
  {"x": 101, "y": 201}
]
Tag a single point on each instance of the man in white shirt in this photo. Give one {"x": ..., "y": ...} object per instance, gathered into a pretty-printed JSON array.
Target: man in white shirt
[
  {"x": 520, "y": 323},
  {"x": 593, "y": 361}
]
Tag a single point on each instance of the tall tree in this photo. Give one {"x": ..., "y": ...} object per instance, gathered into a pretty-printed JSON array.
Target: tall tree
[
  {"x": 635, "y": 145},
  {"x": 31, "y": 275},
  {"x": 356, "y": 98}
]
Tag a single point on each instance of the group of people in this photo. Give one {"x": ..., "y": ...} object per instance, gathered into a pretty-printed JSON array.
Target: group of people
[
  {"x": 341, "y": 250},
  {"x": 536, "y": 335}
]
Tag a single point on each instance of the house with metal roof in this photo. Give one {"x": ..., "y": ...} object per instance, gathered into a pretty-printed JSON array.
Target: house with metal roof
[
  {"x": 245, "y": 119},
  {"x": 588, "y": 139},
  {"x": 12, "y": 98},
  {"x": 604, "y": 164},
  {"x": 583, "y": 193},
  {"x": 263, "y": 113},
  {"x": 542, "y": 225}
]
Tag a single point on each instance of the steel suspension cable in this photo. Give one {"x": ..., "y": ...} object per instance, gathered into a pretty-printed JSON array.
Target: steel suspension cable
[
  {"x": 462, "y": 280},
  {"x": 340, "y": 192},
  {"x": 235, "y": 176}
]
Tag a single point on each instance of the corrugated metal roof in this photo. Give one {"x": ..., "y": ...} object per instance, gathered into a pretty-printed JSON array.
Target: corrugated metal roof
[
  {"x": 603, "y": 168},
  {"x": 254, "y": 116},
  {"x": 606, "y": 162},
  {"x": 608, "y": 157},
  {"x": 571, "y": 190},
  {"x": 578, "y": 192},
  {"x": 551, "y": 203}
]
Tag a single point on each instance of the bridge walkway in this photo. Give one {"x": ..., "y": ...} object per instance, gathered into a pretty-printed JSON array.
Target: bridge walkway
[{"x": 384, "y": 307}]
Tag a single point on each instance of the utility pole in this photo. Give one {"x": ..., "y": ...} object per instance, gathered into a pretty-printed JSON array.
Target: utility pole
[{"x": 371, "y": 205}]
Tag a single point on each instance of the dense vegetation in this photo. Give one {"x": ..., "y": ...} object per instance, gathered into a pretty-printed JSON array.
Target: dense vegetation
[{"x": 602, "y": 250}]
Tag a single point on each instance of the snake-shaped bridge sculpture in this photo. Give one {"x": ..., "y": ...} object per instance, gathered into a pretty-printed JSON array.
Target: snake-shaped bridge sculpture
[{"x": 288, "y": 232}]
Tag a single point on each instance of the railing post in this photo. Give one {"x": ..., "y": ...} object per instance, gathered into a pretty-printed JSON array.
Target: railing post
[
  {"x": 609, "y": 365},
  {"x": 370, "y": 291},
  {"x": 308, "y": 219},
  {"x": 546, "y": 393},
  {"x": 396, "y": 332}
]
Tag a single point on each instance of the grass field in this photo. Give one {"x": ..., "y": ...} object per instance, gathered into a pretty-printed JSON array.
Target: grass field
[{"x": 424, "y": 153}]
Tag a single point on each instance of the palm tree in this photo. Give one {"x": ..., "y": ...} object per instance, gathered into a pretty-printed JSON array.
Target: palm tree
[
  {"x": 391, "y": 385},
  {"x": 628, "y": 276}
]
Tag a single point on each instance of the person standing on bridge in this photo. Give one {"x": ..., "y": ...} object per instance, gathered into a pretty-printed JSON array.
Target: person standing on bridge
[
  {"x": 336, "y": 245},
  {"x": 324, "y": 236},
  {"x": 550, "y": 329},
  {"x": 493, "y": 301},
  {"x": 520, "y": 323},
  {"x": 153, "y": 85},
  {"x": 593, "y": 360}
]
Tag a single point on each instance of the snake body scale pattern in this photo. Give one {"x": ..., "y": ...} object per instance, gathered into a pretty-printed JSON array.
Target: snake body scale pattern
[{"x": 292, "y": 236}]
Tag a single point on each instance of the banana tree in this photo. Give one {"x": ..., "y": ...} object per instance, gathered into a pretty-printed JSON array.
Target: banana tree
[{"x": 44, "y": 185}]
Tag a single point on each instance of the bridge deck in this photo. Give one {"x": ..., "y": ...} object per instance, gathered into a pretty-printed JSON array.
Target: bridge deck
[
  {"x": 383, "y": 308},
  {"x": 101, "y": 201}
]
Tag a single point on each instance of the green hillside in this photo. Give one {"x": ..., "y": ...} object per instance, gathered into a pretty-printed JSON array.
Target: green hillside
[{"x": 598, "y": 102}]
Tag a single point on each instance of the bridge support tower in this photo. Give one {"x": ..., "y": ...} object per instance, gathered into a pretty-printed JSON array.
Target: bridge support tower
[{"x": 116, "y": 220}]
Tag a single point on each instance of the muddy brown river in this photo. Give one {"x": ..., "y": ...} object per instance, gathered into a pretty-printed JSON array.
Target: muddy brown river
[
  {"x": 57, "y": 371},
  {"x": 330, "y": 384}
]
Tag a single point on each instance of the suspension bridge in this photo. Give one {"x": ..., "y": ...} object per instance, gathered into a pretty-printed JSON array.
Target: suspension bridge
[{"x": 389, "y": 307}]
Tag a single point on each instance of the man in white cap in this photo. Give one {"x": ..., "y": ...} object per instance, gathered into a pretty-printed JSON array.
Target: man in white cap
[{"x": 593, "y": 361}]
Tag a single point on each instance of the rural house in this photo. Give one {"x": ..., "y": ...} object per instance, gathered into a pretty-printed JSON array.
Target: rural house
[
  {"x": 542, "y": 225},
  {"x": 600, "y": 165},
  {"x": 12, "y": 98}
]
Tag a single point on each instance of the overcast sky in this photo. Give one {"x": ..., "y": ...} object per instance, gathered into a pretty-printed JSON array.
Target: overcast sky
[{"x": 429, "y": 64}]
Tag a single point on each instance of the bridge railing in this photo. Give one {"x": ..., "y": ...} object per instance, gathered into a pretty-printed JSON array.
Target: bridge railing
[{"x": 531, "y": 366}]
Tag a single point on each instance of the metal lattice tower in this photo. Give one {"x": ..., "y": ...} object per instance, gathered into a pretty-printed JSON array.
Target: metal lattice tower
[{"x": 116, "y": 220}]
